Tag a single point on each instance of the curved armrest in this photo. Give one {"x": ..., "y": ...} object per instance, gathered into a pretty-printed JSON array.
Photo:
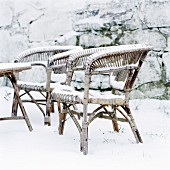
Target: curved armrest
[
  {"x": 59, "y": 60},
  {"x": 39, "y": 63},
  {"x": 115, "y": 69}
]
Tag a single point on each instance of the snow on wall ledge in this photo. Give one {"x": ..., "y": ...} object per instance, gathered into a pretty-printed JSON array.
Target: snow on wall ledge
[{"x": 92, "y": 23}]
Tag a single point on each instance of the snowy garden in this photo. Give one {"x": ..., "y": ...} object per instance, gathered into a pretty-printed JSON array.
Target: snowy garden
[
  {"x": 26, "y": 24},
  {"x": 44, "y": 149}
]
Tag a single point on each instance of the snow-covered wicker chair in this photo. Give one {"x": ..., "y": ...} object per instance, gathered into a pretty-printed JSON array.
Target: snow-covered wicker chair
[
  {"x": 39, "y": 57},
  {"x": 123, "y": 64},
  {"x": 80, "y": 57}
]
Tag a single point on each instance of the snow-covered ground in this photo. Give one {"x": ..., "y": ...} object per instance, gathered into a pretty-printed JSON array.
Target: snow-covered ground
[{"x": 44, "y": 149}]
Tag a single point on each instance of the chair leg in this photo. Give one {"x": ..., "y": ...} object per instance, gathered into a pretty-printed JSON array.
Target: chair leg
[
  {"x": 84, "y": 142},
  {"x": 14, "y": 106},
  {"x": 81, "y": 142},
  {"x": 19, "y": 102},
  {"x": 133, "y": 126},
  {"x": 115, "y": 125},
  {"x": 52, "y": 110},
  {"x": 114, "y": 121},
  {"x": 62, "y": 118},
  {"x": 47, "y": 118}
]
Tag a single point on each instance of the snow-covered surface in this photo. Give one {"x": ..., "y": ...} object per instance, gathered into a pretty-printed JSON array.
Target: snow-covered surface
[
  {"x": 45, "y": 149},
  {"x": 116, "y": 84},
  {"x": 14, "y": 66},
  {"x": 68, "y": 90},
  {"x": 67, "y": 53}
]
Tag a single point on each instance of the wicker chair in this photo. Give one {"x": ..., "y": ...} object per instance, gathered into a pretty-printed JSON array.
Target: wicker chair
[
  {"x": 57, "y": 61},
  {"x": 122, "y": 63},
  {"x": 38, "y": 57}
]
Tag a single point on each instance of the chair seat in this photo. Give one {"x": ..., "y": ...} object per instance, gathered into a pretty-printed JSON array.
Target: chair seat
[
  {"x": 67, "y": 94},
  {"x": 31, "y": 86},
  {"x": 23, "y": 85},
  {"x": 35, "y": 86}
]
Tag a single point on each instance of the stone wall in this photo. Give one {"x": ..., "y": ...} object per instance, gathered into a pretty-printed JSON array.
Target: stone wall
[{"x": 92, "y": 23}]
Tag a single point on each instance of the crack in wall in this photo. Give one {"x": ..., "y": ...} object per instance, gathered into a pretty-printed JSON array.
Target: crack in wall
[{"x": 34, "y": 20}]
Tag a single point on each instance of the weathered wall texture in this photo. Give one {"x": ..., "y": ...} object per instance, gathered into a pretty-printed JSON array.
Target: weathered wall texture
[{"x": 92, "y": 23}]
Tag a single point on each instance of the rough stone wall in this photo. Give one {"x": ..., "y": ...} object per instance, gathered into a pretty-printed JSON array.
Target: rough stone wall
[{"x": 92, "y": 23}]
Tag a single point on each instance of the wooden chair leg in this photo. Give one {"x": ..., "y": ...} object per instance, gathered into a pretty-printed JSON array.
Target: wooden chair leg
[
  {"x": 47, "y": 118},
  {"x": 133, "y": 126},
  {"x": 71, "y": 113},
  {"x": 136, "y": 133},
  {"x": 114, "y": 120},
  {"x": 84, "y": 141},
  {"x": 52, "y": 110},
  {"x": 14, "y": 106},
  {"x": 19, "y": 102},
  {"x": 81, "y": 143},
  {"x": 62, "y": 118},
  {"x": 115, "y": 125}
]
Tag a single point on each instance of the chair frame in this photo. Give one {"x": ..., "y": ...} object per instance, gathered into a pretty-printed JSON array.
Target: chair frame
[
  {"x": 124, "y": 62},
  {"x": 73, "y": 62},
  {"x": 40, "y": 56}
]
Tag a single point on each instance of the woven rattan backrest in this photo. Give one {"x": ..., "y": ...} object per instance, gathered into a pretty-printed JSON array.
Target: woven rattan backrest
[
  {"x": 107, "y": 60},
  {"x": 59, "y": 61},
  {"x": 117, "y": 60},
  {"x": 40, "y": 56},
  {"x": 41, "y": 53},
  {"x": 78, "y": 60}
]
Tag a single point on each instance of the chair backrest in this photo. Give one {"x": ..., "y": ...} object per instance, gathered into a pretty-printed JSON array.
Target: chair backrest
[
  {"x": 42, "y": 53},
  {"x": 112, "y": 56},
  {"x": 57, "y": 65},
  {"x": 38, "y": 57},
  {"x": 59, "y": 61},
  {"x": 123, "y": 62},
  {"x": 77, "y": 60}
]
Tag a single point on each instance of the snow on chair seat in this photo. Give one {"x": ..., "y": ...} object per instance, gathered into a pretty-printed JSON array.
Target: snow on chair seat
[{"x": 65, "y": 93}]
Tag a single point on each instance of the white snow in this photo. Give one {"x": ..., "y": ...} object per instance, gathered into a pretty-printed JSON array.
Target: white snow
[
  {"x": 14, "y": 66},
  {"x": 6, "y": 12},
  {"x": 44, "y": 149}
]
